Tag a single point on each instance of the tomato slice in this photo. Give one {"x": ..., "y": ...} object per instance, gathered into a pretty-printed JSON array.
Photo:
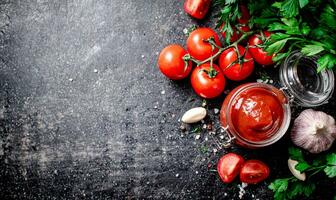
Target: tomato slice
[
  {"x": 254, "y": 171},
  {"x": 228, "y": 166},
  {"x": 197, "y": 8}
]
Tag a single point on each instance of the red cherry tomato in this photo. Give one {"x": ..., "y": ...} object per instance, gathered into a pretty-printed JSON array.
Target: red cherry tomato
[
  {"x": 204, "y": 85},
  {"x": 254, "y": 171},
  {"x": 171, "y": 62},
  {"x": 245, "y": 15},
  {"x": 229, "y": 166},
  {"x": 228, "y": 62},
  {"x": 236, "y": 33},
  {"x": 197, "y": 45},
  {"x": 259, "y": 55},
  {"x": 197, "y": 8}
]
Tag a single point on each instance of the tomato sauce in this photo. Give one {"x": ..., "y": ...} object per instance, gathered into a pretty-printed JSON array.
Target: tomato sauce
[{"x": 255, "y": 113}]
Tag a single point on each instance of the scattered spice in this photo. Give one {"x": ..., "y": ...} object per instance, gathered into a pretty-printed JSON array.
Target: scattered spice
[{"x": 197, "y": 137}]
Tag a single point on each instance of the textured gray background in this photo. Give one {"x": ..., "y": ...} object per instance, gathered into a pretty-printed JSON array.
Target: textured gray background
[{"x": 110, "y": 134}]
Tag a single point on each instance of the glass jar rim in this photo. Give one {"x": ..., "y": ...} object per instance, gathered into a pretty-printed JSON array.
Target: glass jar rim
[
  {"x": 280, "y": 132},
  {"x": 292, "y": 77}
]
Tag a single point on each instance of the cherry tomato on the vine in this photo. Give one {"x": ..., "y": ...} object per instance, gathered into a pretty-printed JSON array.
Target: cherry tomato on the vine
[
  {"x": 229, "y": 63},
  {"x": 259, "y": 55},
  {"x": 228, "y": 166},
  {"x": 245, "y": 15},
  {"x": 254, "y": 171},
  {"x": 197, "y": 8},
  {"x": 198, "y": 45},
  {"x": 206, "y": 83},
  {"x": 171, "y": 62}
]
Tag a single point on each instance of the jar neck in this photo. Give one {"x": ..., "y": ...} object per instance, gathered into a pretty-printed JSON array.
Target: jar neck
[{"x": 308, "y": 87}]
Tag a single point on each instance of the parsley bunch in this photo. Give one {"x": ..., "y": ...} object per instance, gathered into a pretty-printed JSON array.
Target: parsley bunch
[
  {"x": 290, "y": 188},
  {"x": 305, "y": 25}
]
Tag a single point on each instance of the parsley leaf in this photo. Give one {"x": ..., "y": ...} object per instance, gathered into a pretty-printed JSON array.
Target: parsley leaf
[
  {"x": 280, "y": 56},
  {"x": 276, "y": 46},
  {"x": 295, "y": 190},
  {"x": 302, "y": 166},
  {"x": 308, "y": 189},
  {"x": 331, "y": 159},
  {"x": 330, "y": 170},
  {"x": 303, "y": 3},
  {"x": 311, "y": 50},
  {"x": 295, "y": 154},
  {"x": 289, "y": 8},
  {"x": 326, "y": 61},
  {"x": 279, "y": 186}
]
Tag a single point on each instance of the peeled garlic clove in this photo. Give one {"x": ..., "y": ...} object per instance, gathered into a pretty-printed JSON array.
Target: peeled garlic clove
[
  {"x": 295, "y": 172},
  {"x": 194, "y": 115},
  {"x": 314, "y": 131}
]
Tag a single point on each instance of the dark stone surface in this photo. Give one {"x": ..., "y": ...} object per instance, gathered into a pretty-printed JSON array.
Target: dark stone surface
[{"x": 110, "y": 133}]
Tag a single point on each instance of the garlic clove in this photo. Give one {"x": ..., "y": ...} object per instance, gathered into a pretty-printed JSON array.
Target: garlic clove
[
  {"x": 314, "y": 131},
  {"x": 194, "y": 115},
  {"x": 295, "y": 172}
]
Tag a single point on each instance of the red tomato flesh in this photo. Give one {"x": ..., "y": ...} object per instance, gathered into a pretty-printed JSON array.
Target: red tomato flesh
[
  {"x": 254, "y": 171},
  {"x": 229, "y": 166},
  {"x": 197, "y": 8}
]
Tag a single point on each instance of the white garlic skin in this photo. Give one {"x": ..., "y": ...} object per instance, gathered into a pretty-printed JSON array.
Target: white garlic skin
[
  {"x": 314, "y": 131},
  {"x": 194, "y": 115}
]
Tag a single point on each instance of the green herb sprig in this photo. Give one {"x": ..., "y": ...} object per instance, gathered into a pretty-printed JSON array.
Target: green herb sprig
[
  {"x": 291, "y": 188},
  {"x": 305, "y": 25}
]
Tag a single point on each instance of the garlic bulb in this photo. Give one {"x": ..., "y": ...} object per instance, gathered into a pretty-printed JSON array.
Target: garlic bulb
[{"x": 314, "y": 131}]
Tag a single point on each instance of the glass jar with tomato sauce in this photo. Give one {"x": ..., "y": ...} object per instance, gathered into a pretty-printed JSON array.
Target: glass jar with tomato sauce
[{"x": 258, "y": 114}]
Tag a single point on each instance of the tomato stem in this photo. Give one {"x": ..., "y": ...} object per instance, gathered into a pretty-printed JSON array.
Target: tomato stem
[{"x": 212, "y": 72}]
